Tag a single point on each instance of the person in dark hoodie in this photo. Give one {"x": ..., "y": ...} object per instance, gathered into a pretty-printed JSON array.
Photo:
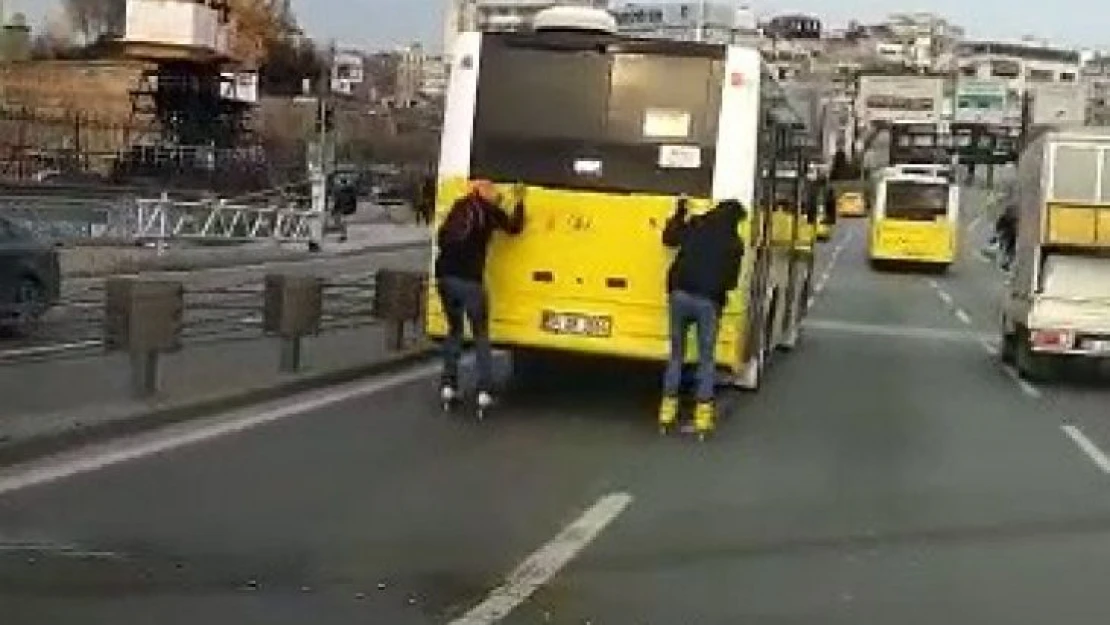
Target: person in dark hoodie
[
  {"x": 463, "y": 240},
  {"x": 705, "y": 269}
]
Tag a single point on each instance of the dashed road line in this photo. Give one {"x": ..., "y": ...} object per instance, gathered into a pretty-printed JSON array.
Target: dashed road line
[
  {"x": 1024, "y": 385},
  {"x": 545, "y": 563},
  {"x": 974, "y": 223},
  {"x": 823, "y": 280},
  {"x": 1088, "y": 446},
  {"x": 962, "y": 315}
]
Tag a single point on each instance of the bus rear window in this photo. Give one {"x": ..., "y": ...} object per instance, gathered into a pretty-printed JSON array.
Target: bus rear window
[
  {"x": 915, "y": 201},
  {"x": 541, "y": 112}
]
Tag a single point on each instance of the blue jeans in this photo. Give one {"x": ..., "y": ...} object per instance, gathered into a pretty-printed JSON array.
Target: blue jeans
[
  {"x": 465, "y": 299},
  {"x": 686, "y": 309}
]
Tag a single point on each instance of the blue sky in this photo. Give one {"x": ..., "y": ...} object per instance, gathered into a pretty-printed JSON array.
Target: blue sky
[{"x": 386, "y": 23}]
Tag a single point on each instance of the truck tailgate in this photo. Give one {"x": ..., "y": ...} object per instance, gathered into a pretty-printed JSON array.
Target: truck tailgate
[{"x": 1075, "y": 294}]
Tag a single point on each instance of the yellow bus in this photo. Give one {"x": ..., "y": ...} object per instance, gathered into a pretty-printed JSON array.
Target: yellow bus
[
  {"x": 850, "y": 199},
  {"x": 915, "y": 219},
  {"x": 606, "y": 132}
]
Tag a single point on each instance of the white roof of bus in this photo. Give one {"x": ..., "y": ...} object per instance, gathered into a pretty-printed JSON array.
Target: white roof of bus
[{"x": 922, "y": 178}]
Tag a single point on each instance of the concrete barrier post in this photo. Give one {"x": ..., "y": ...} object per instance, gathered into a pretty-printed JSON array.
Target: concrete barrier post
[
  {"x": 293, "y": 309},
  {"x": 398, "y": 299},
  {"x": 144, "y": 319}
]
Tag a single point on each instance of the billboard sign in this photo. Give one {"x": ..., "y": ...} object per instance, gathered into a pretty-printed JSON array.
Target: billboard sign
[
  {"x": 981, "y": 101},
  {"x": 888, "y": 99}
]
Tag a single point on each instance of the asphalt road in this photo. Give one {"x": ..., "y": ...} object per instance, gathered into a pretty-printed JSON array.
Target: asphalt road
[{"x": 889, "y": 472}]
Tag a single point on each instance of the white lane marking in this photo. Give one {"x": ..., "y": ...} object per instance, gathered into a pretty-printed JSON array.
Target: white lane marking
[
  {"x": 112, "y": 453},
  {"x": 1025, "y": 386},
  {"x": 893, "y": 331},
  {"x": 990, "y": 348},
  {"x": 994, "y": 350},
  {"x": 1088, "y": 447},
  {"x": 545, "y": 563},
  {"x": 962, "y": 315},
  {"x": 44, "y": 350},
  {"x": 975, "y": 223},
  {"x": 945, "y": 297}
]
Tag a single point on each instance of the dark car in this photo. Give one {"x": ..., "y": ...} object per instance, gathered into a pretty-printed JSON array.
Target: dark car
[{"x": 30, "y": 278}]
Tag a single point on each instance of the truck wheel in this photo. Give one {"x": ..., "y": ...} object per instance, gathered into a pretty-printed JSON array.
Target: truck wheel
[
  {"x": 1030, "y": 365},
  {"x": 1007, "y": 351}
]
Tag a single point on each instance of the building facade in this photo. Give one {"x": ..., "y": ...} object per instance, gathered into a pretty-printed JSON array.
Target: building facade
[{"x": 714, "y": 22}]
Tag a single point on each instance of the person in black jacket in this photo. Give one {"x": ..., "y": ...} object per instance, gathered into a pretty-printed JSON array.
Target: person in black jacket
[
  {"x": 463, "y": 240},
  {"x": 1005, "y": 231},
  {"x": 705, "y": 269}
]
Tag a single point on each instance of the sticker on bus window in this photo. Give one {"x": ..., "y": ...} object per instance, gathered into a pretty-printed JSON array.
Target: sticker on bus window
[
  {"x": 679, "y": 157},
  {"x": 666, "y": 123},
  {"x": 587, "y": 166}
]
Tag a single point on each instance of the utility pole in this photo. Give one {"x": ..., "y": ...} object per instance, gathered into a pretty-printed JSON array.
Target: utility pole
[
  {"x": 322, "y": 155},
  {"x": 702, "y": 10}
]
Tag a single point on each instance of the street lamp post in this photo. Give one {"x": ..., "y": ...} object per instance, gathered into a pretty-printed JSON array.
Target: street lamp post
[{"x": 702, "y": 9}]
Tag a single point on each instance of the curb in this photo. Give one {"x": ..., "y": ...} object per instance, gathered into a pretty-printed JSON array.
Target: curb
[{"x": 159, "y": 416}]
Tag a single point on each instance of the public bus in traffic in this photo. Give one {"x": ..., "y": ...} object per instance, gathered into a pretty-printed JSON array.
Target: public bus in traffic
[
  {"x": 914, "y": 219},
  {"x": 606, "y": 132}
]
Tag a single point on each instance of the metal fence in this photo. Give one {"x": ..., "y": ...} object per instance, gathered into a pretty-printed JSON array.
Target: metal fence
[{"x": 75, "y": 328}]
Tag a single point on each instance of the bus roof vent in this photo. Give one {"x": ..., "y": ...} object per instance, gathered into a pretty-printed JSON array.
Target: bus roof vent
[{"x": 572, "y": 18}]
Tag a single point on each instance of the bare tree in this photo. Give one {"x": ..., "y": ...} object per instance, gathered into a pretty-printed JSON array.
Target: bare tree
[{"x": 93, "y": 19}]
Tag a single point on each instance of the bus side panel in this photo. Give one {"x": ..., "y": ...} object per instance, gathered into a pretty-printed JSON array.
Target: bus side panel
[{"x": 591, "y": 254}]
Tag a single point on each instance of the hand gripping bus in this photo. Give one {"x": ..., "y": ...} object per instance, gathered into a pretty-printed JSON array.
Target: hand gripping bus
[
  {"x": 915, "y": 219},
  {"x": 606, "y": 132},
  {"x": 1058, "y": 301}
]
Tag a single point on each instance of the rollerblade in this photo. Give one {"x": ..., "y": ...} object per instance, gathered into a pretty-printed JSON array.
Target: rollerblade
[
  {"x": 485, "y": 402},
  {"x": 449, "y": 397},
  {"x": 703, "y": 419},
  {"x": 668, "y": 414}
]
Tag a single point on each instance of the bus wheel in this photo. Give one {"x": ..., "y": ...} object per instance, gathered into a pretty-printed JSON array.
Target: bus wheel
[
  {"x": 750, "y": 377},
  {"x": 792, "y": 334}
]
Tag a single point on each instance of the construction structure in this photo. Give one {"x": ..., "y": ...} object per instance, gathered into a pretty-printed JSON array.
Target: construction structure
[{"x": 191, "y": 107}]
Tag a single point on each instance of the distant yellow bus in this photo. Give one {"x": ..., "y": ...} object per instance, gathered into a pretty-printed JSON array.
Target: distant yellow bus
[
  {"x": 850, "y": 201},
  {"x": 606, "y": 133},
  {"x": 915, "y": 219}
]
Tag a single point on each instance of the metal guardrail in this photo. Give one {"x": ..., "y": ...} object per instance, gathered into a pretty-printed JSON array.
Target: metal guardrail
[
  {"x": 75, "y": 328},
  {"x": 164, "y": 219}
]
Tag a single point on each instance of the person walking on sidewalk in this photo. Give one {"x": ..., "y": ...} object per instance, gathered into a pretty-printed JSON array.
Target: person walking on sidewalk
[
  {"x": 705, "y": 269},
  {"x": 463, "y": 240}
]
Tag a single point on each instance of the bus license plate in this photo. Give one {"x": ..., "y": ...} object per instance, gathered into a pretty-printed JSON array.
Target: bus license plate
[{"x": 576, "y": 324}]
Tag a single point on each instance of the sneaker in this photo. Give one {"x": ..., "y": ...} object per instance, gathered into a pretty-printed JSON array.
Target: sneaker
[
  {"x": 448, "y": 394},
  {"x": 668, "y": 411}
]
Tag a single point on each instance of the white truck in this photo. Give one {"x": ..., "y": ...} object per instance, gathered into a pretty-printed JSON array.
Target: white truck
[{"x": 1057, "y": 304}]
